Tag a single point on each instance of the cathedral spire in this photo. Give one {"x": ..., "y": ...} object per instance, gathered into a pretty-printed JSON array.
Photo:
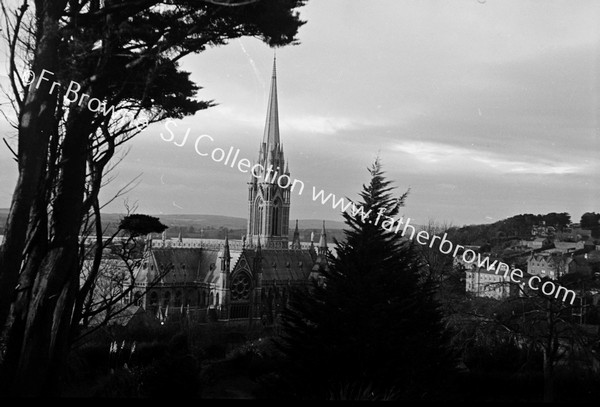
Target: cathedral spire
[
  {"x": 226, "y": 255},
  {"x": 269, "y": 202},
  {"x": 270, "y": 143},
  {"x": 323, "y": 241},
  {"x": 296, "y": 240}
]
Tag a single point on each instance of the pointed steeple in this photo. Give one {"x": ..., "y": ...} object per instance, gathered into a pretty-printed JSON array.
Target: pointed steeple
[
  {"x": 268, "y": 201},
  {"x": 179, "y": 238},
  {"x": 226, "y": 255},
  {"x": 296, "y": 240},
  {"x": 271, "y": 144},
  {"x": 323, "y": 241}
]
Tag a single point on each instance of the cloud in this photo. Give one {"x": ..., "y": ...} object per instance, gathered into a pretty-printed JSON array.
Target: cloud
[
  {"x": 446, "y": 157},
  {"x": 324, "y": 124},
  {"x": 541, "y": 167}
]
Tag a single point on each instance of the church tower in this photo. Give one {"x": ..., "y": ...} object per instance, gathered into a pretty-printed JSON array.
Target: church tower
[{"x": 268, "y": 201}]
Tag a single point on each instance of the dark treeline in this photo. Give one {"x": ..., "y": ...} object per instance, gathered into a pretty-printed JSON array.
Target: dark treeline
[{"x": 515, "y": 227}]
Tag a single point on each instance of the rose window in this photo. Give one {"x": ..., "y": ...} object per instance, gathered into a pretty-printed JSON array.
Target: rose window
[{"x": 240, "y": 287}]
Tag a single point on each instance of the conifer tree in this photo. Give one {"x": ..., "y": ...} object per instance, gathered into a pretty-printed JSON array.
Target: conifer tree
[{"x": 372, "y": 330}]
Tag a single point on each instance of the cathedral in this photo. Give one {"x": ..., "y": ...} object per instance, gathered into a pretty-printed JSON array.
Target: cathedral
[{"x": 248, "y": 279}]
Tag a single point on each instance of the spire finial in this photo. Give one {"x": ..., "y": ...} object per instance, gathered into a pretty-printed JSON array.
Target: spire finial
[
  {"x": 323, "y": 239},
  {"x": 226, "y": 254},
  {"x": 296, "y": 241},
  {"x": 226, "y": 248}
]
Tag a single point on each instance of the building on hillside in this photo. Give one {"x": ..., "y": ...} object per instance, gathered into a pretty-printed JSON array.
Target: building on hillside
[
  {"x": 546, "y": 264},
  {"x": 567, "y": 247},
  {"x": 236, "y": 280},
  {"x": 483, "y": 283},
  {"x": 543, "y": 230},
  {"x": 458, "y": 259}
]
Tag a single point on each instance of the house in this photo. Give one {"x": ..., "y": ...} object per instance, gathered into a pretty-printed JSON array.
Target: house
[{"x": 483, "y": 283}]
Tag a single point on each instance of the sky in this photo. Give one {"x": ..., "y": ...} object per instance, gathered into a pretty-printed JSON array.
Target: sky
[{"x": 483, "y": 109}]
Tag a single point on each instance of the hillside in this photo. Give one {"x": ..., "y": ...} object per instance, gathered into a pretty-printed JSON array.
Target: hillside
[
  {"x": 214, "y": 226},
  {"x": 515, "y": 227}
]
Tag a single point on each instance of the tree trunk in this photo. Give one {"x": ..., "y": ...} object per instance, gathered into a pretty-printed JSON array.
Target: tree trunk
[
  {"x": 35, "y": 125},
  {"x": 46, "y": 335}
]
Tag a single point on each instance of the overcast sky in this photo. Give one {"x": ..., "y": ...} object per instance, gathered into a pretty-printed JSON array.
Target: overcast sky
[{"x": 484, "y": 109}]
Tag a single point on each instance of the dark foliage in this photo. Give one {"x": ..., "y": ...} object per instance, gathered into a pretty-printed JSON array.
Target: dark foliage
[
  {"x": 372, "y": 325},
  {"x": 591, "y": 220},
  {"x": 139, "y": 224},
  {"x": 515, "y": 227}
]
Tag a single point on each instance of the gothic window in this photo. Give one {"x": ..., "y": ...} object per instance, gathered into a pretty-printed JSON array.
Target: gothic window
[
  {"x": 167, "y": 298},
  {"x": 138, "y": 298},
  {"x": 153, "y": 298},
  {"x": 260, "y": 220},
  {"x": 178, "y": 299},
  {"x": 211, "y": 298},
  {"x": 240, "y": 287},
  {"x": 258, "y": 212},
  {"x": 275, "y": 223},
  {"x": 217, "y": 299}
]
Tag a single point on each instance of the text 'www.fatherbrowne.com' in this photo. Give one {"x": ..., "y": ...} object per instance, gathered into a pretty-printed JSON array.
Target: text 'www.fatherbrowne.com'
[{"x": 230, "y": 156}]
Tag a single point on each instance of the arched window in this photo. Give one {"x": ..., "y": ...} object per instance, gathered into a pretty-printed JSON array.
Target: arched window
[
  {"x": 154, "y": 298},
  {"x": 138, "y": 298},
  {"x": 167, "y": 298},
  {"x": 240, "y": 287},
  {"x": 258, "y": 216},
  {"x": 178, "y": 299},
  {"x": 210, "y": 298},
  {"x": 217, "y": 299},
  {"x": 275, "y": 223}
]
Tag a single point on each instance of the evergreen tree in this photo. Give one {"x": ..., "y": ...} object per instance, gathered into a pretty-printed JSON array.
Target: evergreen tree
[{"x": 372, "y": 330}]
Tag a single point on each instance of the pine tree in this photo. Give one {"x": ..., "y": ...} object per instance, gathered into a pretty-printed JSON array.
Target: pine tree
[{"x": 372, "y": 330}]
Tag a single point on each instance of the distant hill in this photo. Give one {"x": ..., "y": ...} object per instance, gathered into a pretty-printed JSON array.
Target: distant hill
[
  {"x": 515, "y": 227},
  {"x": 213, "y": 226},
  {"x": 217, "y": 221}
]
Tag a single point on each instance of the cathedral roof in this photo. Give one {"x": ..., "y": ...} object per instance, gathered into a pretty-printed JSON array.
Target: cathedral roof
[
  {"x": 186, "y": 265},
  {"x": 284, "y": 264},
  {"x": 203, "y": 265}
]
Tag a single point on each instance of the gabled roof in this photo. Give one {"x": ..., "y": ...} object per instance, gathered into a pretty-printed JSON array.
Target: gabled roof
[
  {"x": 283, "y": 264},
  {"x": 185, "y": 265}
]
